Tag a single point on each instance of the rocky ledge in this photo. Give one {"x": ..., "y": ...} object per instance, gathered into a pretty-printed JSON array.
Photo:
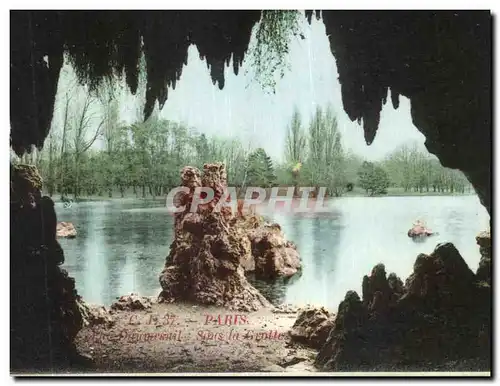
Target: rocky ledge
[
  {"x": 272, "y": 256},
  {"x": 440, "y": 315}
]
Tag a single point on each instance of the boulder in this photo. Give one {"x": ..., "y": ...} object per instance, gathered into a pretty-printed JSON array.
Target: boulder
[
  {"x": 285, "y": 309},
  {"x": 132, "y": 302},
  {"x": 419, "y": 230},
  {"x": 93, "y": 315},
  {"x": 312, "y": 327},
  {"x": 274, "y": 256},
  {"x": 66, "y": 230}
]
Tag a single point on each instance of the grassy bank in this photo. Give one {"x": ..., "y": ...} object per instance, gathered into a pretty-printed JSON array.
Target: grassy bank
[
  {"x": 356, "y": 192},
  {"x": 400, "y": 192}
]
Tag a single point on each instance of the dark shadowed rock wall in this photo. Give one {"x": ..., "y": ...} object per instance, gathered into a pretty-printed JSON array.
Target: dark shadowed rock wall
[{"x": 44, "y": 305}]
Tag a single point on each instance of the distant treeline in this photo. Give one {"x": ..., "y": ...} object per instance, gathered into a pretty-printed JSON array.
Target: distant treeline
[{"x": 146, "y": 157}]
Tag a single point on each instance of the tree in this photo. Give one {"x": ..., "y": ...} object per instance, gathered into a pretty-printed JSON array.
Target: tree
[
  {"x": 202, "y": 149},
  {"x": 83, "y": 119},
  {"x": 295, "y": 143},
  {"x": 334, "y": 155},
  {"x": 64, "y": 141},
  {"x": 352, "y": 163},
  {"x": 295, "y": 147},
  {"x": 48, "y": 163},
  {"x": 106, "y": 95},
  {"x": 373, "y": 179},
  {"x": 260, "y": 169},
  {"x": 411, "y": 168},
  {"x": 325, "y": 160}
]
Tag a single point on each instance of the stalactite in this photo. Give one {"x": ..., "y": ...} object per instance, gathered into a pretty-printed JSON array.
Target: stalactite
[{"x": 101, "y": 44}]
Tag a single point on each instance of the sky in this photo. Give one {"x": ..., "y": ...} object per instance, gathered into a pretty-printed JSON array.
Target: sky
[{"x": 244, "y": 110}]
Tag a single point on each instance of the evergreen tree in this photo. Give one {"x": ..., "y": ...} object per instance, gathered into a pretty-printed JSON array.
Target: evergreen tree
[{"x": 260, "y": 169}]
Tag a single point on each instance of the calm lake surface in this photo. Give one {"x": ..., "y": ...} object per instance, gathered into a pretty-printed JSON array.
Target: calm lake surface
[{"x": 122, "y": 244}]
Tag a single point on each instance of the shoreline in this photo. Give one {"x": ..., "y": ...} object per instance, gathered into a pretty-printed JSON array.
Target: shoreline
[{"x": 57, "y": 199}]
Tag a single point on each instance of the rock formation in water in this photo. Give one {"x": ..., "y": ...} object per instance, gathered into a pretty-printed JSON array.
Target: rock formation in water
[
  {"x": 65, "y": 230},
  {"x": 213, "y": 249},
  {"x": 419, "y": 230},
  {"x": 441, "y": 314},
  {"x": 272, "y": 255},
  {"x": 204, "y": 264},
  {"x": 45, "y": 313}
]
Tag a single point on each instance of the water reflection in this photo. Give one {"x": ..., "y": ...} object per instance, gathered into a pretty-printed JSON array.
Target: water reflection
[
  {"x": 318, "y": 237},
  {"x": 118, "y": 249}
]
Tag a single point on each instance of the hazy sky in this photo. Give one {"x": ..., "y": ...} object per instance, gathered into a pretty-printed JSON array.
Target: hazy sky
[{"x": 244, "y": 110}]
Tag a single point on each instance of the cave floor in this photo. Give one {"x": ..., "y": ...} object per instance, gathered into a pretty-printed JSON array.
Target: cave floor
[
  {"x": 183, "y": 338},
  {"x": 180, "y": 338}
]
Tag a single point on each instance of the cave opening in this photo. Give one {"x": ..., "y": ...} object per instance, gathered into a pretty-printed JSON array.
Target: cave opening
[{"x": 222, "y": 114}]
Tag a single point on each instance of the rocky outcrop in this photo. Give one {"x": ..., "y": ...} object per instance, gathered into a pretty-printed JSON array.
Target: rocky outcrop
[
  {"x": 204, "y": 264},
  {"x": 25, "y": 185},
  {"x": 65, "y": 230},
  {"x": 132, "y": 302},
  {"x": 273, "y": 256},
  {"x": 45, "y": 315},
  {"x": 419, "y": 232},
  {"x": 484, "y": 270},
  {"x": 312, "y": 327},
  {"x": 93, "y": 315},
  {"x": 287, "y": 308},
  {"x": 441, "y": 314}
]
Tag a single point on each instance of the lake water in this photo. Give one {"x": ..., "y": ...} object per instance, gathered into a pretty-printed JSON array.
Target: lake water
[{"x": 122, "y": 244}]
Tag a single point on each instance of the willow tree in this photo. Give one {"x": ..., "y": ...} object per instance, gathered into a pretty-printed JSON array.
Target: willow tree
[{"x": 270, "y": 48}]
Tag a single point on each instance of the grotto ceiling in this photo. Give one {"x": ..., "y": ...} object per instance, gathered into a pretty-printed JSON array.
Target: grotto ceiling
[{"x": 440, "y": 60}]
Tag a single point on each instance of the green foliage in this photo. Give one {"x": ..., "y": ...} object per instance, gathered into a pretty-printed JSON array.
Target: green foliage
[
  {"x": 269, "y": 53},
  {"x": 147, "y": 156},
  {"x": 325, "y": 161},
  {"x": 296, "y": 140},
  {"x": 202, "y": 149},
  {"x": 373, "y": 179},
  {"x": 418, "y": 171},
  {"x": 260, "y": 169}
]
